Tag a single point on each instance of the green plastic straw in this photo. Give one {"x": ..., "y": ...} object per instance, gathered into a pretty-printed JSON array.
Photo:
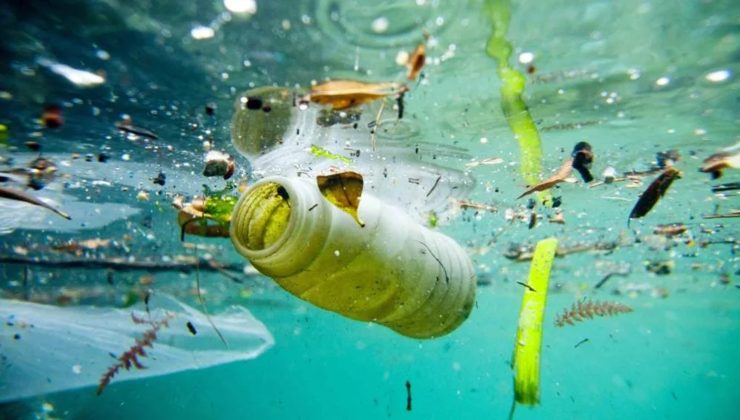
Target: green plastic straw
[
  {"x": 526, "y": 361},
  {"x": 512, "y": 86}
]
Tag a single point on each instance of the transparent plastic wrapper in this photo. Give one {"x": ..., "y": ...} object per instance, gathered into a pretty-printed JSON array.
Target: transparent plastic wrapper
[
  {"x": 397, "y": 164},
  {"x": 391, "y": 271},
  {"x": 46, "y": 349}
]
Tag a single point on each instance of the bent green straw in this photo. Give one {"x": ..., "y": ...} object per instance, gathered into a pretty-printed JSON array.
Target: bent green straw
[
  {"x": 526, "y": 361},
  {"x": 512, "y": 86}
]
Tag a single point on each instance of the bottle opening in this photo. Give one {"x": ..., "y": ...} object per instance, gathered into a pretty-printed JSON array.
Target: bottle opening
[{"x": 263, "y": 218}]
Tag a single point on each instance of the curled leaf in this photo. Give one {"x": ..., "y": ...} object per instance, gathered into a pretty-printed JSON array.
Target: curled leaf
[
  {"x": 583, "y": 156},
  {"x": 715, "y": 164},
  {"x": 18, "y": 195},
  {"x": 559, "y": 177},
  {"x": 654, "y": 192},
  {"x": 416, "y": 61},
  {"x": 343, "y": 94},
  {"x": 344, "y": 190}
]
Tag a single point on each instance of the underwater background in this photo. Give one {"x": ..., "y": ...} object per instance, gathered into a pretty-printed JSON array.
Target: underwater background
[{"x": 637, "y": 80}]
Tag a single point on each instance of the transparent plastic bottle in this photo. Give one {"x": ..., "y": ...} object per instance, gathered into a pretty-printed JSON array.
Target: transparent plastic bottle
[{"x": 392, "y": 271}]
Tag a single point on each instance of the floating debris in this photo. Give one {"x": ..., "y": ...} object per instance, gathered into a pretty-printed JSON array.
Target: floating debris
[
  {"x": 321, "y": 152},
  {"x": 408, "y": 396},
  {"x": 585, "y": 340},
  {"x": 732, "y": 214},
  {"x": 130, "y": 357},
  {"x": 13, "y": 194},
  {"x": 416, "y": 61},
  {"x": 730, "y": 186},
  {"x": 52, "y": 116},
  {"x": 80, "y": 78},
  {"x": 671, "y": 229},
  {"x": 126, "y": 126},
  {"x": 343, "y": 94},
  {"x": 40, "y": 172},
  {"x": 160, "y": 179},
  {"x": 219, "y": 164},
  {"x": 559, "y": 177},
  {"x": 142, "y": 196},
  {"x": 528, "y": 344},
  {"x": 727, "y": 158},
  {"x": 465, "y": 204},
  {"x": 586, "y": 309},
  {"x": 660, "y": 268},
  {"x": 486, "y": 161},
  {"x": 343, "y": 190},
  {"x": 654, "y": 192},
  {"x": 558, "y": 218},
  {"x": 583, "y": 156},
  {"x": 191, "y": 328},
  {"x": 667, "y": 158}
]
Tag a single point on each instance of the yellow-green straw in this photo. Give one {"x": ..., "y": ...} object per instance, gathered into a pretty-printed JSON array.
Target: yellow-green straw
[
  {"x": 526, "y": 361},
  {"x": 512, "y": 86}
]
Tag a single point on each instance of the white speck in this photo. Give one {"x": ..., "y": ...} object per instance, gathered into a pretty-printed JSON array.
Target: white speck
[
  {"x": 102, "y": 54},
  {"x": 247, "y": 63},
  {"x": 380, "y": 25},
  {"x": 225, "y": 76},
  {"x": 439, "y": 21},
  {"x": 241, "y": 6},
  {"x": 285, "y": 24},
  {"x": 202, "y": 32},
  {"x": 634, "y": 74},
  {"x": 77, "y": 369},
  {"x": 526, "y": 57},
  {"x": 670, "y": 131},
  {"x": 402, "y": 58},
  {"x": 80, "y": 78},
  {"x": 336, "y": 253},
  {"x": 306, "y": 19},
  {"x": 663, "y": 81},
  {"x": 700, "y": 132},
  {"x": 6, "y": 95},
  {"x": 718, "y": 76},
  {"x": 483, "y": 140},
  {"x": 561, "y": 91},
  {"x": 125, "y": 156},
  {"x": 421, "y": 2}
]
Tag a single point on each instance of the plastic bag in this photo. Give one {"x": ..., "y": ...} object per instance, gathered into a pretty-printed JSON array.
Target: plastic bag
[{"x": 46, "y": 349}]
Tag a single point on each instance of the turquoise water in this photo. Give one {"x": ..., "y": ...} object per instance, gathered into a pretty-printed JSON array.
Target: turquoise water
[{"x": 633, "y": 78}]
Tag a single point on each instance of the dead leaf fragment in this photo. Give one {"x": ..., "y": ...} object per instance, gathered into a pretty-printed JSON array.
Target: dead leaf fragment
[
  {"x": 343, "y": 94},
  {"x": 416, "y": 61},
  {"x": 344, "y": 190},
  {"x": 715, "y": 164},
  {"x": 654, "y": 192},
  {"x": 559, "y": 177}
]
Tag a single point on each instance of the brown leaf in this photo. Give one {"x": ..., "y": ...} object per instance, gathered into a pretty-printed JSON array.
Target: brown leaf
[
  {"x": 559, "y": 177},
  {"x": 18, "y": 195},
  {"x": 343, "y": 94},
  {"x": 344, "y": 190},
  {"x": 654, "y": 192},
  {"x": 716, "y": 163},
  {"x": 416, "y": 61}
]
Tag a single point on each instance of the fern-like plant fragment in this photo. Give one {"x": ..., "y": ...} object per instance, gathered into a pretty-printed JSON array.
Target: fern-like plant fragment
[
  {"x": 587, "y": 309},
  {"x": 131, "y": 356}
]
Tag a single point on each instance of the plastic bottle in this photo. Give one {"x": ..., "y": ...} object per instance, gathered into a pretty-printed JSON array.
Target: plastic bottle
[{"x": 392, "y": 271}]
